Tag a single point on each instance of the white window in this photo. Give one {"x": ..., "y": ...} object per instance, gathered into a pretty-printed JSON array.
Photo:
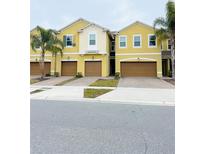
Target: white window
[
  {"x": 152, "y": 41},
  {"x": 92, "y": 39},
  {"x": 122, "y": 41},
  {"x": 69, "y": 40},
  {"x": 137, "y": 41},
  {"x": 168, "y": 44}
]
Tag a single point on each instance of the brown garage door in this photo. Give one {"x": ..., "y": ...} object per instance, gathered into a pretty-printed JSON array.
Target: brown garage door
[
  {"x": 69, "y": 68},
  {"x": 93, "y": 68},
  {"x": 35, "y": 68},
  {"x": 147, "y": 69}
]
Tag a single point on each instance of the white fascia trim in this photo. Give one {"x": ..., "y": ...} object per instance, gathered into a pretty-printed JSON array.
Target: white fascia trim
[
  {"x": 134, "y": 54},
  {"x": 133, "y": 41},
  {"x": 69, "y": 60},
  {"x": 138, "y": 59},
  {"x": 155, "y": 41},
  {"x": 36, "y": 55},
  {"x": 125, "y": 41},
  {"x": 71, "y": 53},
  {"x": 92, "y": 59},
  {"x": 66, "y": 41},
  {"x": 34, "y": 60}
]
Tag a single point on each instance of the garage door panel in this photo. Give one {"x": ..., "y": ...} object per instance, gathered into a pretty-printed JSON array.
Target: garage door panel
[
  {"x": 93, "y": 68},
  {"x": 69, "y": 68},
  {"x": 147, "y": 69},
  {"x": 35, "y": 68}
]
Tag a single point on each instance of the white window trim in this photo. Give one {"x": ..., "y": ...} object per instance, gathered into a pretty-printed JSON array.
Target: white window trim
[
  {"x": 125, "y": 41},
  {"x": 155, "y": 40},
  {"x": 95, "y": 39},
  {"x": 168, "y": 45},
  {"x": 133, "y": 40},
  {"x": 70, "y": 46}
]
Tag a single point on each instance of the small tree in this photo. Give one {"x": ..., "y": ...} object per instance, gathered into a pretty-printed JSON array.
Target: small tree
[
  {"x": 167, "y": 30},
  {"x": 56, "y": 48},
  {"x": 46, "y": 40}
]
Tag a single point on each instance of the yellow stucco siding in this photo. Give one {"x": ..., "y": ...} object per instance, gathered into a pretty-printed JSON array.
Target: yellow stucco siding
[
  {"x": 165, "y": 45},
  {"x": 73, "y": 30},
  {"x": 144, "y": 31},
  {"x": 144, "y": 53}
]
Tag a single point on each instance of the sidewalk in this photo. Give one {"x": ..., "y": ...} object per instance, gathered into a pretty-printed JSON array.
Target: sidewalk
[{"x": 118, "y": 95}]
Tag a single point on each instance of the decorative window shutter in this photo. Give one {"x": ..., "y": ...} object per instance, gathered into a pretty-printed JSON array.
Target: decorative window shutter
[{"x": 64, "y": 40}]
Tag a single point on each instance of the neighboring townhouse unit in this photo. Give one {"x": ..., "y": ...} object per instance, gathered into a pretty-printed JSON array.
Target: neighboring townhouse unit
[
  {"x": 137, "y": 51},
  {"x": 34, "y": 60},
  {"x": 166, "y": 58},
  {"x": 86, "y": 50}
]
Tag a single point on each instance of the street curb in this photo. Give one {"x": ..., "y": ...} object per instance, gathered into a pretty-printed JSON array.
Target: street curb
[{"x": 102, "y": 101}]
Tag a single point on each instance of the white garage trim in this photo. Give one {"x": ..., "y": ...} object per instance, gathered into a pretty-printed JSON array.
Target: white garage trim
[
  {"x": 70, "y": 60},
  {"x": 137, "y": 59},
  {"x": 38, "y": 55},
  {"x": 37, "y": 60},
  {"x": 92, "y": 59},
  {"x": 133, "y": 54}
]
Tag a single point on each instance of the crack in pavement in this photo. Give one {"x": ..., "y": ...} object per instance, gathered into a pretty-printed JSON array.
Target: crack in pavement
[{"x": 141, "y": 130}]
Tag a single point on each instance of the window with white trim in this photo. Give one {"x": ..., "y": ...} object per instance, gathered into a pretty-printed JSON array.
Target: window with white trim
[
  {"x": 69, "y": 40},
  {"x": 152, "y": 40},
  {"x": 136, "y": 41},
  {"x": 92, "y": 39},
  {"x": 123, "y": 41},
  {"x": 168, "y": 44}
]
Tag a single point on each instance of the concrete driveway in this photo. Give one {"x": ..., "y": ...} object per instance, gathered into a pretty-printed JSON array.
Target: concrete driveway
[
  {"x": 52, "y": 81},
  {"x": 85, "y": 81},
  {"x": 144, "y": 82}
]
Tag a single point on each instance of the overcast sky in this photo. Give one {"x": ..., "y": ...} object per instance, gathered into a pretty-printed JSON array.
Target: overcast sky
[{"x": 112, "y": 14}]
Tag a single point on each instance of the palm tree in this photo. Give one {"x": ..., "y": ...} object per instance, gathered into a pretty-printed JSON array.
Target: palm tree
[
  {"x": 47, "y": 41},
  {"x": 165, "y": 28},
  {"x": 58, "y": 48}
]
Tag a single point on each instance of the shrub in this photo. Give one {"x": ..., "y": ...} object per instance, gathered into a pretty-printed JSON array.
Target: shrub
[
  {"x": 56, "y": 74},
  {"x": 79, "y": 75},
  {"x": 117, "y": 75}
]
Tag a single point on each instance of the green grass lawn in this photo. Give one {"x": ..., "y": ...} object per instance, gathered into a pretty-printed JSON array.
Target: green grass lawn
[
  {"x": 93, "y": 93},
  {"x": 36, "y": 91},
  {"x": 105, "y": 83},
  {"x": 32, "y": 81}
]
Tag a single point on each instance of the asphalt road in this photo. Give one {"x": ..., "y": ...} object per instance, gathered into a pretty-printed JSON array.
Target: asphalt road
[{"x": 94, "y": 128}]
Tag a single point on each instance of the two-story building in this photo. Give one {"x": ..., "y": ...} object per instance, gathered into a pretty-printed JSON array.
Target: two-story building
[
  {"x": 86, "y": 51},
  {"x": 137, "y": 51},
  {"x": 93, "y": 50}
]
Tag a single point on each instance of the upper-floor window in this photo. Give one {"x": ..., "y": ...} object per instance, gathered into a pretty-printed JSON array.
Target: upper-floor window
[
  {"x": 69, "y": 40},
  {"x": 137, "y": 41},
  {"x": 123, "y": 41},
  {"x": 92, "y": 39},
  {"x": 152, "y": 40},
  {"x": 168, "y": 44},
  {"x": 112, "y": 46}
]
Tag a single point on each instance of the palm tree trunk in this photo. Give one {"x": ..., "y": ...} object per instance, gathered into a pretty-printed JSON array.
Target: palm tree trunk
[
  {"x": 55, "y": 64},
  {"x": 173, "y": 57},
  {"x": 42, "y": 64}
]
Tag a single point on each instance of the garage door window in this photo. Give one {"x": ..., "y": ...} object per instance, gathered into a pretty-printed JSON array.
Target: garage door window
[
  {"x": 152, "y": 40},
  {"x": 123, "y": 41}
]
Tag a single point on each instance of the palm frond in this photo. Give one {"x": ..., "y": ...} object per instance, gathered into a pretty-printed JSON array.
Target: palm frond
[{"x": 160, "y": 22}]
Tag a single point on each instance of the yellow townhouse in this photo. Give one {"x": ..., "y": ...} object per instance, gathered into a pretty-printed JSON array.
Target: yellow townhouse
[
  {"x": 86, "y": 51},
  {"x": 138, "y": 51}
]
